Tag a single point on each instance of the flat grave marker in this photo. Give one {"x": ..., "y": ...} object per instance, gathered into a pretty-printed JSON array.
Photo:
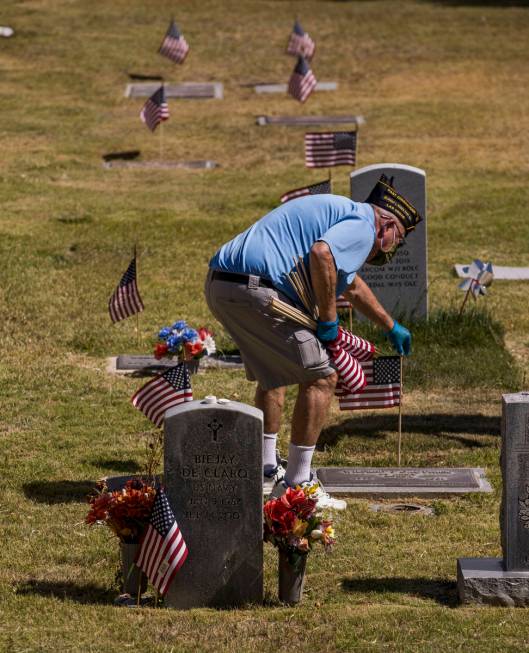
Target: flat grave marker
[
  {"x": 185, "y": 91},
  {"x": 309, "y": 120},
  {"x": 161, "y": 165},
  {"x": 214, "y": 482},
  {"x": 282, "y": 88},
  {"x": 402, "y": 481},
  {"x": 401, "y": 286},
  {"x": 126, "y": 363}
]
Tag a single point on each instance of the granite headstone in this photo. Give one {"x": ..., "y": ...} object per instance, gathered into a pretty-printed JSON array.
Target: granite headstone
[
  {"x": 506, "y": 581},
  {"x": 214, "y": 483},
  {"x": 402, "y": 285}
]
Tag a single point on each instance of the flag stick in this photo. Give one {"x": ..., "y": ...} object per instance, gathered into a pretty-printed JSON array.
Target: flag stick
[
  {"x": 161, "y": 140},
  {"x": 400, "y": 415},
  {"x": 466, "y": 297},
  {"x": 350, "y": 318},
  {"x": 156, "y": 598},
  {"x": 137, "y": 314},
  {"x": 138, "y": 599},
  {"x": 330, "y": 178}
]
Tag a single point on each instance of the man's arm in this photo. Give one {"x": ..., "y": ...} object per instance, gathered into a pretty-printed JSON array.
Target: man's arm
[
  {"x": 323, "y": 277},
  {"x": 363, "y": 299}
]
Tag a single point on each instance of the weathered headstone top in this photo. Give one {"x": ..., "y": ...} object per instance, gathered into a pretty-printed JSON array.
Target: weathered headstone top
[
  {"x": 402, "y": 285},
  {"x": 188, "y": 90},
  {"x": 401, "y": 481},
  {"x": 214, "y": 483},
  {"x": 282, "y": 88},
  {"x": 309, "y": 120}
]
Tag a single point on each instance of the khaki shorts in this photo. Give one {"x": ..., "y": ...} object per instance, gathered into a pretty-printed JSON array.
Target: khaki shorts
[{"x": 275, "y": 351}]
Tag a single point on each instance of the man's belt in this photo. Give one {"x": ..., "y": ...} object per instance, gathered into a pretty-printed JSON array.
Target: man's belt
[{"x": 239, "y": 278}]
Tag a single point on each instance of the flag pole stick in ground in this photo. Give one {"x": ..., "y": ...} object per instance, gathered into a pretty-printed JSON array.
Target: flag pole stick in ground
[
  {"x": 466, "y": 297},
  {"x": 400, "y": 416},
  {"x": 137, "y": 314},
  {"x": 161, "y": 140},
  {"x": 350, "y": 318},
  {"x": 138, "y": 599}
]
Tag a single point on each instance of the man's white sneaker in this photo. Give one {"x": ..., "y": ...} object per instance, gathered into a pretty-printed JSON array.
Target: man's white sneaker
[
  {"x": 278, "y": 474},
  {"x": 324, "y": 499}
]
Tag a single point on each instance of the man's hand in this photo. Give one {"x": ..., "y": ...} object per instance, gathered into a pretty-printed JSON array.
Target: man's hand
[
  {"x": 400, "y": 338},
  {"x": 327, "y": 331}
]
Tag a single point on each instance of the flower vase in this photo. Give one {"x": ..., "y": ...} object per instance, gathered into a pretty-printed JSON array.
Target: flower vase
[
  {"x": 132, "y": 575},
  {"x": 192, "y": 364},
  {"x": 291, "y": 578}
]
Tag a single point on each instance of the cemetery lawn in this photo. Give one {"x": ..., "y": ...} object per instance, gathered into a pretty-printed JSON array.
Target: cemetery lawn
[{"x": 444, "y": 87}]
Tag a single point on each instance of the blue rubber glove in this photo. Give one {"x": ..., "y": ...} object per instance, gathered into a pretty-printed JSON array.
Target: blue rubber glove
[
  {"x": 400, "y": 338},
  {"x": 327, "y": 331}
]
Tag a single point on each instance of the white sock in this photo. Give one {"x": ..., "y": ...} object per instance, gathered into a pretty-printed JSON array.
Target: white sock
[
  {"x": 269, "y": 452},
  {"x": 298, "y": 468}
]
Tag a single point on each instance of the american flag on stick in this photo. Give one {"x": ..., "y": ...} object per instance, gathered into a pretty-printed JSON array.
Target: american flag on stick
[
  {"x": 166, "y": 390},
  {"x": 383, "y": 387},
  {"x": 329, "y": 149},
  {"x": 126, "y": 300},
  {"x": 162, "y": 550},
  {"x": 174, "y": 46},
  {"x": 302, "y": 81},
  {"x": 321, "y": 188},
  {"x": 155, "y": 110},
  {"x": 300, "y": 43}
]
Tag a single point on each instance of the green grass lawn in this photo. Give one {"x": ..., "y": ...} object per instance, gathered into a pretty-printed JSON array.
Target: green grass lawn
[{"x": 444, "y": 86}]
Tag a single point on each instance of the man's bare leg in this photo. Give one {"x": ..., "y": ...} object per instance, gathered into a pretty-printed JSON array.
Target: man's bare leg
[
  {"x": 309, "y": 416},
  {"x": 310, "y": 411},
  {"x": 271, "y": 402}
]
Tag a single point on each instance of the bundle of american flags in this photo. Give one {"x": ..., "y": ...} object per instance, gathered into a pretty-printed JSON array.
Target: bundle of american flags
[
  {"x": 300, "y": 43},
  {"x": 125, "y": 300},
  {"x": 302, "y": 81},
  {"x": 174, "y": 46},
  {"x": 166, "y": 390},
  {"x": 155, "y": 110},
  {"x": 162, "y": 550},
  {"x": 320, "y": 188},
  {"x": 329, "y": 149}
]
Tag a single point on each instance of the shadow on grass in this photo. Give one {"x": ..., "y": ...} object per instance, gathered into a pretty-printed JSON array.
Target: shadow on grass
[
  {"x": 118, "y": 465},
  {"x": 439, "y": 425},
  {"x": 87, "y": 593},
  {"x": 442, "y": 591},
  {"x": 58, "y": 491}
]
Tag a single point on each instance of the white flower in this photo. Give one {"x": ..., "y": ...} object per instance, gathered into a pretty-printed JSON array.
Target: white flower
[{"x": 209, "y": 345}]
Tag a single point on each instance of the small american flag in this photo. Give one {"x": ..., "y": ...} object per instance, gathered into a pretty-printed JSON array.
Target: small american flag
[
  {"x": 328, "y": 149},
  {"x": 321, "y": 188},
  {"x": 300, "y": 43},
  {"x": 166, "y": 390},
  {"x": 162, "y": 550},
  {"x": 174, "y": 46},
  {"x": 347, "y": 352},
  {"x": 302, "y": 81},
  {"x": 126, "y": 300},
  {"x": 155, "y": 110},
  {"x": 382, "y": 389}
]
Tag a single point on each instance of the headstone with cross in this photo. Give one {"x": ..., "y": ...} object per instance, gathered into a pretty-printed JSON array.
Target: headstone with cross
[{"x": 214, "y": 483}]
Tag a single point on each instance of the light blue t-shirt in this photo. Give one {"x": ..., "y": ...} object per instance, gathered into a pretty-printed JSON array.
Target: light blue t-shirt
[{"x": 268, "y": 247}]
